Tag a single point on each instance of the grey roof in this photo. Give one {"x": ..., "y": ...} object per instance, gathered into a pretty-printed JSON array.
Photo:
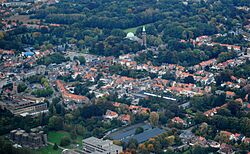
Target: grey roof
[
  {"x": 103, "y": 144},
  {"x": 186, "y": 134},
  {"x": 142, "y": 137},
  {"x": 128, "y": 131},
  {"x": 96, "y": 141}
]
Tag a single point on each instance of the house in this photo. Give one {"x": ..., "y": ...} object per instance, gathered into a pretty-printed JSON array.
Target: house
[
  {"x": 213, "y": 144},
  {"x": 185, "y": 105},
  {"x": 225, "y": 134},
  {"x": 178, "y": 120},
  {"x": 214, "y": 111},
  {"x": 186, "y": 136},
  {"x": 232, "y": 137},
  {"x": 180, "y": 148},
  {"x": 125, "y": 118},
  {"x": 110, "y": 115},
  {"x": 230, "y": 94},
  {"x": 201, "y": 141},
  {"x": 28, "y": 54},
  {"x": 71, "y": 97},
  {"x": 138, "y": 109},
  {"x": 237, "y": 137},
  {"x": 211, "y": 112},
  {"x": 247, "y": 140},
  {"x": 116, "y": 104},
  {"x": 226, "y": 149}
]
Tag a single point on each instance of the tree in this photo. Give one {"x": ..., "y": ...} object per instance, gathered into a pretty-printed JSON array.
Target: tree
[
  {"x": 21, "y": 87},
  {"x": 189, "y": 79},
  {"x": 53, "y": 58},
  {"x": 68, "y": 118},
  {"x": 150, "y": 147},
  {"x": 199, "y": 118},
  {"x": 81, "y": 43},
  {"x": 143, "y": 149},
  {"x": 43, "y": 92},
  {"x": 65, "y": 141},
  {"x": 56, "y": 100},
  {"x": 168, "y": 76},
  {"x": 245, "y": 125},
  {"x": 187, "y": 35},
  {"x": 55, "y": 147},
  {"x": 117, "y": 142},
  {"x": 154, "y": 118},
  {"x": 132, "y": 144},
  {"x": 139, "y": 130},
  {"x": 36, "y": 34},
  {"x": 1, "y": 35},
  {"x": 81, "y": 89},
  {"x": 52, "y": 110},
  {"x": 224, "y": 56},
  {"x": 73, "y": 41},
  {"x": 199, "y": 150},
  {"x": 170, "y": 139},
  {"x": 55, "y": 123},
  {"x": 234, "y": 107},
  {"x": 81, "y": 59},
  {"x": 73, "y": 133},
  {"x": 7, "y": 148}
]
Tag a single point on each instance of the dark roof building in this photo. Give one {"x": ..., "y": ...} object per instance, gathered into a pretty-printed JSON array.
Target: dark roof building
[{"x": 128, "y": 133}]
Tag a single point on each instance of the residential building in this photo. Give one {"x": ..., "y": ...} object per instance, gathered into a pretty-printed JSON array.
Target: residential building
[
  {"x": 178, "y": 120},
  {"x": 71, "y": 97},
  {"x": 110, "y": 115}
]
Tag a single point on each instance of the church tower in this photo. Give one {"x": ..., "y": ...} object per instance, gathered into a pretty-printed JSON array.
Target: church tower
[
  {"x": 14, "y": 89},
  {"x": 144, "y": 36}
]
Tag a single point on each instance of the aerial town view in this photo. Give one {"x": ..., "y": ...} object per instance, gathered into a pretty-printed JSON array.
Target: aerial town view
[{"x": 124, "y": 76}]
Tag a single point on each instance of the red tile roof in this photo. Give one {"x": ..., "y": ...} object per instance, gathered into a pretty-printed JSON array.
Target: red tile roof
[{"x": 67, "y": 95}]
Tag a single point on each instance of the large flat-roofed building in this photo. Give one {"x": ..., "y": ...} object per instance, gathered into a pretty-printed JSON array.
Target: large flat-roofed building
[
  {"x": 25, "y": 105},
  {"x": 94, "y": 145}
]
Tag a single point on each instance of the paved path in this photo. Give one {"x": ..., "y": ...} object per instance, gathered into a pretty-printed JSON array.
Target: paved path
[
  {"x": 62, "y": 148},
  {"x": 57, "y": 145}
]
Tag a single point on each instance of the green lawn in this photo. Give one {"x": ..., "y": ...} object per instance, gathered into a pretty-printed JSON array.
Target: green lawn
[
  {"x": 189, "y": 111},
  {"x": 48, "y": 150},
  {"x": 133, "y": 29},
  {"x": 56, "y": 136}
]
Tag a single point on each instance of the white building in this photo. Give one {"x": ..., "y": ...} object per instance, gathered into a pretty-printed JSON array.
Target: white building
[{"x": 94, "y": 145}]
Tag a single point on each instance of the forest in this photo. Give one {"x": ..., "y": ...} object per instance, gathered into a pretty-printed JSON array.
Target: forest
[{"x": 100, "y": 27}]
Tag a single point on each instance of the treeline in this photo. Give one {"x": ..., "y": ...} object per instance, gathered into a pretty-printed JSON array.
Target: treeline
[
  {"x": 98, "y": 27},
  {"x": 185, "y": 54}
]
